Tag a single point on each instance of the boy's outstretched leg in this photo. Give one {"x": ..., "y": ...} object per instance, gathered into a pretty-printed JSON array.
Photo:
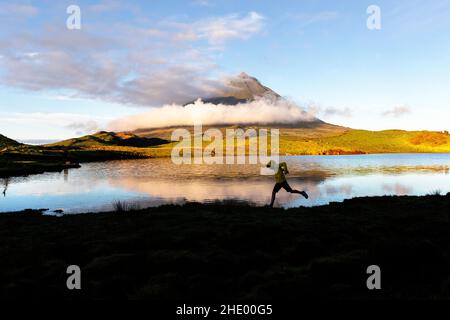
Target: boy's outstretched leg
[
  {"x": 288, "y": 188},
  {"x": 303, "y": 193}
]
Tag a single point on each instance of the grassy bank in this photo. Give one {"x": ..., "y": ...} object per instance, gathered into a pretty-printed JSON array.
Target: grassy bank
[
  {"x": 27, "y": 160},
  {"x": 328, "y": 139},
  {"x": 223, "y": 251},
  {"x": 34, "y": 161},
  {"x": 19, "y": 159},
  {"x": 332, "y": 141}
]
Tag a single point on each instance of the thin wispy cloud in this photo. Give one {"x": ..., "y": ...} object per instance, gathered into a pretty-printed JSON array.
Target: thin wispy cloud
[
  {"x": 203, "y": 3},
  {"x": 416, "y": 16},
  {"x": 18, "y": 9},
  {"x": 397, "y": 112},
  {"x": 304, "y": 19},
  {"x": 49, "y": 118},
  {"x": 218, "y": 30},
  {"x": 106, "y": 5},
  {"x": 340, "y": 112},
  {"x": 84, "y": 127},
  {"x": 325, "y": 112}
]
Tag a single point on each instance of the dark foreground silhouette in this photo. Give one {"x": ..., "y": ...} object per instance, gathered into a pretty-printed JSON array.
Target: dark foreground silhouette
[{"x": 231, "y": 251}]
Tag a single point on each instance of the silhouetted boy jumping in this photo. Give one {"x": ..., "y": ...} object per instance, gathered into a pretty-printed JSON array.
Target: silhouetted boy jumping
[{"x": 281, "y": 182}]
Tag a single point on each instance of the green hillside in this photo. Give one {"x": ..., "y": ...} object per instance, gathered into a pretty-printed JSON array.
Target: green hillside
[
  {"x": 390, "y": 141},
  {"x": 363, "y": 141},
  {"x": 104, "y": 138},
  {"x": 326, "y": 139}
]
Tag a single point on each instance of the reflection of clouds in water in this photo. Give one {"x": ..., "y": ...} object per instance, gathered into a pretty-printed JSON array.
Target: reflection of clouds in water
[
  {"x": 54, "y": 184},
  {"x": 343, "y": 189},
  {"x": 397, "y": 189},
  {"x": 252, "y": 190},
  {"x": 196, "y": 190},
  {"x": 156, "y": 181}
]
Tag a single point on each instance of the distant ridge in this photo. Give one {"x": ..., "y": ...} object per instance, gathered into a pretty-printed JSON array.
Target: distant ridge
[
  {"x": 38, "y": 142},
  {"x": 7, "y": 142},
  {"x": 104, "y": 138}
]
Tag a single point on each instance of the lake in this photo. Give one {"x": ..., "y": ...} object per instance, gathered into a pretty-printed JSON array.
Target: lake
[{"x": 150, "y": 182}]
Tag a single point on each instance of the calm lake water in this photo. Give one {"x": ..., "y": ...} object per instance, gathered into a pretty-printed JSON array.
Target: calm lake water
[{"x": 150, "y": 182}]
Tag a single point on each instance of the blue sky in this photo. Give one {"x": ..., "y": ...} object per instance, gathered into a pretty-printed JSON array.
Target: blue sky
[{"x": 130, "y": 56}]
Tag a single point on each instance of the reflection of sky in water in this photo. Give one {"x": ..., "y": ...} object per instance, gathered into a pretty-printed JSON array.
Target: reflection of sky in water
[{"x": 96, "y": 186}]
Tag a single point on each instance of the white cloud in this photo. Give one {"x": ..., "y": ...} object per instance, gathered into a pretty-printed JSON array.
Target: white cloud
[
  {"x": 58, "y": 119},
  {"x": 340, "y": 112},
  {"x": 397, "y": 112},
  {"x": 260, "y": 111},
  {"x": 320, "y": 111},
  {"x": 84, "y": 127},
  {"x": 125, "y": 64},
  {"x": 218, "y": 30},
  {"x": 16, "y": 9}
]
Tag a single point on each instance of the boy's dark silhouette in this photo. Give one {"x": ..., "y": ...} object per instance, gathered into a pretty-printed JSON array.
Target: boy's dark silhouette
[{"x": 281, "y": 182}]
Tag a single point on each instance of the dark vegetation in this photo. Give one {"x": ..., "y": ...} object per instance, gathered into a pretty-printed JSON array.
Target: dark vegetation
[
  {"x": 233, "y": 251},
  {"x": 104, "y": 138},
  {"x": 7, "y": 142},
  {"x": 18, "y": 159}
]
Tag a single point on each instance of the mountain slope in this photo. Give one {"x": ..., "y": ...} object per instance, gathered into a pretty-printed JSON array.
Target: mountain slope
[
  {"x": 104, "y": 138},
  {"x": 248, "y": 88},
  {"x": 240, "y": 89},
  {"x": 7, "y": 142}
]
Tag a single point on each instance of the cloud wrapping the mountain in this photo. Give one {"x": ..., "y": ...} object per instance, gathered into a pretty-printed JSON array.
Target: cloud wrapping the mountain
[{"x": 260, "y": 111}]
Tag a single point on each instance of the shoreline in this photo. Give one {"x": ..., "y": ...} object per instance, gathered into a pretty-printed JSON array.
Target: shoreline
[
  {"x": 37, "y": 167},
  {"x": 232, "y": 251},
  {"x": 24, "y": 164}
]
